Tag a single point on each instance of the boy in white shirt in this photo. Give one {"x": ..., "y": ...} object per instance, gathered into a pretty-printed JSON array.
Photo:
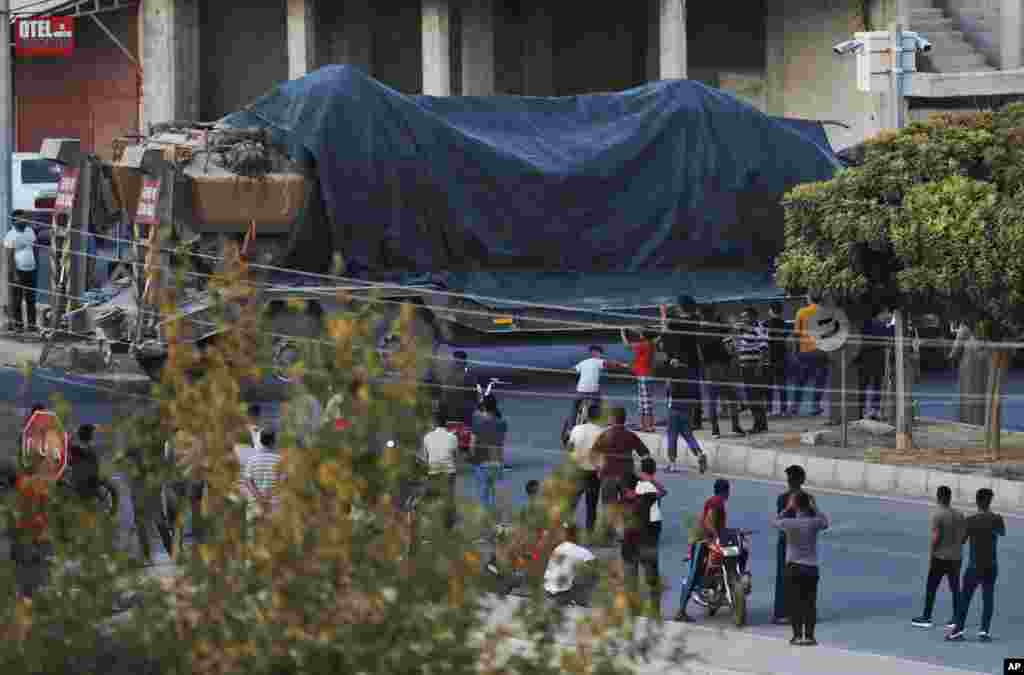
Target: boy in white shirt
[
  {"x": 438, "y": 454},
  {"x": 569, "y": 576},
  {"x": 588, "y": 384},
  {"x": 21, "y": 239},
  {"x": 581, "y": 442}
]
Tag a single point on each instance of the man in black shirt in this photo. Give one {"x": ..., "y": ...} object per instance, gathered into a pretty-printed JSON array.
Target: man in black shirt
[
  {"x": 778, "y": 343},
  {"x": 983, "y": 531},
  {"x": 719, "y": 370},
  {"x": 680, "y": 342}
]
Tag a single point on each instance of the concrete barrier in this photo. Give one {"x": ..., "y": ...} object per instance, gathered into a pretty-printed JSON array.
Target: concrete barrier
[
  {"x": 879, "y": 478},
  {"x": 939, "y": 478},
  {"x": 730, "y": 458},
  {"x": 1009, "y": 495},
  {"x": 761, "y": 463},
  {"x": 787, "y": 459},
  {"x": 969, "y": 486},
  {"x": 821, "y": 470},
  {"x": 911, "y": 481},
  {"x": 850, "y": 475}
]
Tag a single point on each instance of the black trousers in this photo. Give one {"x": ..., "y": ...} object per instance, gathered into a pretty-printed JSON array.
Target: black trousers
[
  {"x": 950, "y": 569},
  {"x": 756, "y": 382},
  {"x": 777, "y": 380},
  {"x": 802, "y": 592},
  {"x": 633, "y": 558},
  {"x": 588, "y": 483},
  {"x": 23, "y": 290}
]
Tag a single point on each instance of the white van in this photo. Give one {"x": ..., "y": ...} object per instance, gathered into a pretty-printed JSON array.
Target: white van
[{"x": 34, "y": 184}]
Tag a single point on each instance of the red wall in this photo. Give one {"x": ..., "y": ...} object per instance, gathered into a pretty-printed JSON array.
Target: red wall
[{"x": 92, "y": 95}]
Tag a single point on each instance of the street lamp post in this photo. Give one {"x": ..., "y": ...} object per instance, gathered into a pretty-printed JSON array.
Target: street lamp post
[{"x": 6, "y": 149}]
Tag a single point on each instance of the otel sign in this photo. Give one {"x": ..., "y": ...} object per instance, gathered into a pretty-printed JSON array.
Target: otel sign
[{"x": 44, "y": 436}]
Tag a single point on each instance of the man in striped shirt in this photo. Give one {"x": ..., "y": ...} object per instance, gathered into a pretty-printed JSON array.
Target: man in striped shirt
[
  {"x": 750, "y": 344},
  {"x": 262, "y": 473}
]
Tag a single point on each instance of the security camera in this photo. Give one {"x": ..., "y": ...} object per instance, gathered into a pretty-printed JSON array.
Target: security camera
[
  {"x": 920, "y": 44},
  {"x": 848, "y": 47}
]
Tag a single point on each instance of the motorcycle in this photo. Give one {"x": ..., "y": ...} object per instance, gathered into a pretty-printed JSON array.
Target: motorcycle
[{"x": 722, "y": 583}]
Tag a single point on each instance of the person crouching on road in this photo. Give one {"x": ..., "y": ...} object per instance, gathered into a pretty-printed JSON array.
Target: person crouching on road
[
  {"x": 570, "y": 575},
  {"x": 640, "y": 343},
  {"x": 802, "y": 522}
]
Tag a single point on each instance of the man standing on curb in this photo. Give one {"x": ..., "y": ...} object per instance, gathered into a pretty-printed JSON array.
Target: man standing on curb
[
  {"x": 680, "y": 341},
  {"x": 812, "y": 365},
  {"x": 946, "y": 551},
  {"x": 983, "y": 530}
]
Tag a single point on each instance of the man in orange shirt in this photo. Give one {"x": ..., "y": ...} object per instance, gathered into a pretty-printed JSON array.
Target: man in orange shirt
[{"x": 811, "y": 363}]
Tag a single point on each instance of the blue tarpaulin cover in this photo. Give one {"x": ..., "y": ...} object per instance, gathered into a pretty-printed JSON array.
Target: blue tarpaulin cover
[{"x": 664, "y": 175}]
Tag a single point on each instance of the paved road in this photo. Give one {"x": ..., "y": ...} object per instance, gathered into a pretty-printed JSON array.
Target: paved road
[{"x": 874, "y": 558}]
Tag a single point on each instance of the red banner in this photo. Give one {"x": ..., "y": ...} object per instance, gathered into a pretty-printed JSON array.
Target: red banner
[
  {"x": 66, "y": 189},
  {"x": 45, "y": 36},
  {"x": 145, "y": 214}
]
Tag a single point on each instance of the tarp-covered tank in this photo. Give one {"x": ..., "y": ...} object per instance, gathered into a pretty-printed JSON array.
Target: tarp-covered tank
[{"x": 667, "y": 174}]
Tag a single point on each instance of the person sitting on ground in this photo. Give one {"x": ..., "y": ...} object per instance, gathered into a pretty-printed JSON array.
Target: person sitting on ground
[{"x": 570, "y": 575}]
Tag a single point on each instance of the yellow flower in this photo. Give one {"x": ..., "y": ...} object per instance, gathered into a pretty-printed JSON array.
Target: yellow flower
[
  {"x": 471, "y": 558},
  {"x": 329, "y": 474}
]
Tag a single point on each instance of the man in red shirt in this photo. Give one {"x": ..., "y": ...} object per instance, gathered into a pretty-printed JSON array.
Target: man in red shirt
[
  {"x": 712, "y": 522},
  {"x": 613, "y": 451},
  {"x": 640, "y": 343}
]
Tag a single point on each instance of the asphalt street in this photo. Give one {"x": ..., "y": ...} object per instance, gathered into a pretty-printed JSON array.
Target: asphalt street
[{"x": 874, "y": 559}]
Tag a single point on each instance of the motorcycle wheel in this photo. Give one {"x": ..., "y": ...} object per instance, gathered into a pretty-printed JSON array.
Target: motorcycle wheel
[{"x": 739, "y": 603}]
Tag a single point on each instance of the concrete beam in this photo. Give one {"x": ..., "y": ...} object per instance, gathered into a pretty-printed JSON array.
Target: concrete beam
[
  {"x": 478, "y": 48},
  {"x": 775, "y": 59},
  {"x": 672, "y": 43},
  {"x": 954, "y": 85},
  {"x": 301, "y": 22},
  {"x": 437, "y": 69},
  {"x": 1011, "y": 18},
  {"x": 538, "y": 52},
  {"x": 170, "y": 60}
]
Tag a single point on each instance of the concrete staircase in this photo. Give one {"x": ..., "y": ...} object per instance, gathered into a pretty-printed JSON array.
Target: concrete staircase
[{"x": 954, "y": 50}]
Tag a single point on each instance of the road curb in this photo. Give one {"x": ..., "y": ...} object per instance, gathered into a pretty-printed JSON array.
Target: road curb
[{"x": 866, "y": 477}]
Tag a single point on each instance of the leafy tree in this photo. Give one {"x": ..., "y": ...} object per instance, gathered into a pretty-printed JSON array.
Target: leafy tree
[
  {"x": 334, "y": 580},
  {"x": 932, "y": 220}
]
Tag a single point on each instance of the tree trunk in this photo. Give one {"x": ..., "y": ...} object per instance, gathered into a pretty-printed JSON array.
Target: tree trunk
[{"x": 1000, "y": 363}]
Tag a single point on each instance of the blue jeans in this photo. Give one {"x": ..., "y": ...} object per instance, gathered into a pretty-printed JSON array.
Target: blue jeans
[
  {"x": 679, "y": 425},
  {"x": 972, "y": 579},
  {"x": 486, "y": 477},
  {"x": 694, "y": 576},
  {"x": 810, "y": 366}
]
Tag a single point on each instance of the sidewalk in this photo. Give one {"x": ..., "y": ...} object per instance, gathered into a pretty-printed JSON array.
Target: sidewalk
[{"x": 857, "y": 468}]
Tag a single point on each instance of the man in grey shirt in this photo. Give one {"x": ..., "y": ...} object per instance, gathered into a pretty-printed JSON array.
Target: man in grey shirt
[
  {"x": 948, "y": 531},
  {"x": 802, "y": 522}
]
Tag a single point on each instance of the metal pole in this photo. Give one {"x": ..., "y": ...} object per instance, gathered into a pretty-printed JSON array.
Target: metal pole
[
  {"x": 902, "y": 439},
  {"x": 842, "y": 389},
  {"x": 6, "y": 145},
  {"x": 896, "y": 76}
]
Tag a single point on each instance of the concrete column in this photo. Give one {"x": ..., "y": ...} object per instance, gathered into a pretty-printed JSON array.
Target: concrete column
[
  {"x": 478, "y": 48},
  {"x": 170, "y": 60},
  {"x": 301, "y": 21},
  {"x": 539, "y": 52},
  {"x": 1012, "y": 34},
  {"x": 358, "y": 17},
  {"x": 775, "y": 59},
  {"x": 437, "y": 69},
  {"x": 672, "y": 40}
]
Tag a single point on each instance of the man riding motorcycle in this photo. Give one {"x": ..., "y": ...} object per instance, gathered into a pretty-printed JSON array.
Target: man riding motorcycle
[{"x": 711, "y": 526}]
